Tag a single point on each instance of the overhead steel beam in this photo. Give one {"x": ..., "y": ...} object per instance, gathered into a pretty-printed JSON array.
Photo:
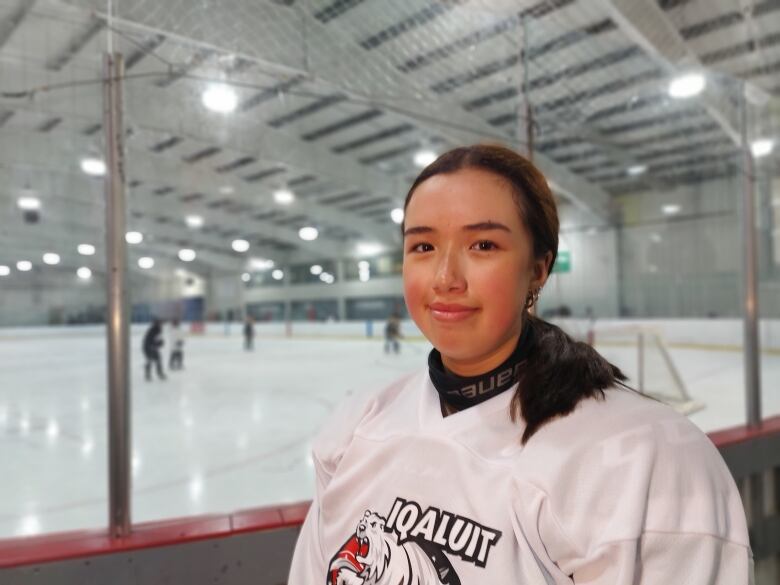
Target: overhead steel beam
[
  {"x": 57, "y": 174},
  {"x": 11, "y": 24},
  {"x": 58, "y": 234},
  {"x": 76, "y": 44},
  {"x": 646, "y": 24},
  {"x": 76, "y": 219},
  {"x": 320, "y": 54},
  {"x": 240, "y": 133}
]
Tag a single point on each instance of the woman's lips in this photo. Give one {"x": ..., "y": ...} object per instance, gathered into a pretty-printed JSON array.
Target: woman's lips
[{"x": 450, "y": 312}]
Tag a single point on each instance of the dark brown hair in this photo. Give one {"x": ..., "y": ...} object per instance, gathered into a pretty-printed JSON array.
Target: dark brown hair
[{"x": 559, "y": 371}]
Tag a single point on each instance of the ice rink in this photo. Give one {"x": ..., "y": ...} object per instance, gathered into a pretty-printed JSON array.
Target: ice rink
[{"x": 233, "y": 429}]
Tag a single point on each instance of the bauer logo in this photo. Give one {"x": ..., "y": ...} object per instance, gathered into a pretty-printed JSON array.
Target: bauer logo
[
  {"x": 410, "y": 545},
  {"x": 494, "y": 384}
]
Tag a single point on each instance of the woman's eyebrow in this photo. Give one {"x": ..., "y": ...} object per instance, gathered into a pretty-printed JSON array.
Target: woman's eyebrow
[
  {"x": 485, "y": 226},
  {"x": 422, "y": 229}
]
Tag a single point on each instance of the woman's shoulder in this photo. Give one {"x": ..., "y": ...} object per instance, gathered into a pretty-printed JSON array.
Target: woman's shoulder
[
  {"x": 625, "y": 435},
  {"x": 366, "y": 410},
  {"x": 629, "y": 463},
  {"x": 621, "y": 414}
]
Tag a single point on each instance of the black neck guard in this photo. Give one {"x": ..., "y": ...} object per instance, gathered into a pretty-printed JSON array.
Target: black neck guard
[{"x": 462, "y": 392}]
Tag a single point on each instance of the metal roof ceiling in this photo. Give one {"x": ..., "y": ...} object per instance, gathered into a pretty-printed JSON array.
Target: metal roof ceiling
[{"x": 335, "y": 97}]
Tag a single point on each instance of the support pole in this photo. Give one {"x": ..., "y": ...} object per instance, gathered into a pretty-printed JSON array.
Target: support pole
[
  {"x": 750, "y": 277},
  {"x": 117, "y": 307},
  {"x": 341, "y": 301}
]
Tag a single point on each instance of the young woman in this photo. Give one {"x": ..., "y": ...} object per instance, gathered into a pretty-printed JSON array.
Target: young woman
[{"x": 517, "y": 456}]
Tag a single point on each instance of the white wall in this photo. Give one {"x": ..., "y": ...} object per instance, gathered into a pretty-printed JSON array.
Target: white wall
[
  {"x": 39, "y": 297},
  {"x": 689, "y": 265},
  {"x": 223, "y": 293},
  {"x": 593, "y": 279},
  {"x": 49, "y": 295},
  {"x": 380, "y": 286}
]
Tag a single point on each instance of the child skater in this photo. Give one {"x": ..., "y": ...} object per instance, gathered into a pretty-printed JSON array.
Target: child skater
[
  {"x": 393, "y": 333},
  {"x": 517, "y": 456},
  {"x": 176, "y": 361},
  {"x": 249, "y": 333}
]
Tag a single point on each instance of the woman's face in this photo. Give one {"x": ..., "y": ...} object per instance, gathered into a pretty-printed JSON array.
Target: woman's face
[{"x": 468, "y": 267}]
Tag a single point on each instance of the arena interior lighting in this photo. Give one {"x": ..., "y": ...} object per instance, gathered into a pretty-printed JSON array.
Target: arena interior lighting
[
  {"x": 187, "y": 255},
  {"x": 194, "y": 221},
  {"x": 687, "y": 85},
  {"x": 134, "y": 237},
  {"x": 93, "y": 166},
  {"x": 261, "y": 263},
  {"x": 422, "y": 158},
  {"x": 762, "y": 147},
  {"x": 308, "y": 233},
  {"x": 220, "y": 98},
  {"x": 671, "y": 209},
  {"x": 146, "y": 262},
  {"x": 369, "y": 249},
  {"x": 240, "y": 245},
  {"x": 284, "y": 196},
  {"x": 28, "y": 203}
]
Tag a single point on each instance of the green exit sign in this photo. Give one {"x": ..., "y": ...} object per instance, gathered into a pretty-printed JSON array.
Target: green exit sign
[{"x": 562, "y": 262}]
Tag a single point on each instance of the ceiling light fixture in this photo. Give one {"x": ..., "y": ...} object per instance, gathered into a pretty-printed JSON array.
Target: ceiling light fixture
[
  {"x": 687, "y": 85},
  {"x": 134, "y": 237},
  {"x": 308, "y": 233},
  {"x": 284, "y": 196},
  {"x": 762, "y": 147},
  {"x": 194, "y": 221},
  {"x": 220, "y": 98},
  {"x": 146, "y": 262},
  {"x": 187, "y": 255},
  {"x": 28, "y": 203},
  {"x": 671, "y": 209},
  {"x": 93, "y": 166},
  {"x": 422, "y": 158},
  {"x": 240, "y": 245}
]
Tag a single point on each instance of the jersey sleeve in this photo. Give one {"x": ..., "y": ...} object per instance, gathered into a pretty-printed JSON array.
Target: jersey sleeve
[
  {"x": 654, "y": 503},
  {"x": 309, "y": 563}
]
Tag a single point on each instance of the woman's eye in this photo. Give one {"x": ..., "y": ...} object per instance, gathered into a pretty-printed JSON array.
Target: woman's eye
[
  {"x": 485, "y": 246},
  {"x": 421, "y": 247}
]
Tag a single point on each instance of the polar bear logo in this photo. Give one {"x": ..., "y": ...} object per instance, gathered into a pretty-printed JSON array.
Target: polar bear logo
[{"x": 373, "y": 557}]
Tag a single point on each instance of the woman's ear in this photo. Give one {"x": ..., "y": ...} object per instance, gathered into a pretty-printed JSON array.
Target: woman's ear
[{"x": 541, "y": 268}]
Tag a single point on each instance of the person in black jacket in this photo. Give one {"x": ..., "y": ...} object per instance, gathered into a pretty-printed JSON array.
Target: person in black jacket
[{"x": 152, "y": 344}]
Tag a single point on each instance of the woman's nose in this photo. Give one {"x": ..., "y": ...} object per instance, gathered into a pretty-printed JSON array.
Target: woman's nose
[{"x": 449, "y": 273}]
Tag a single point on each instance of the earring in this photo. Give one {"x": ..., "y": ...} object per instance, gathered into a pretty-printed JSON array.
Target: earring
[{"x": 532, "y": 298}]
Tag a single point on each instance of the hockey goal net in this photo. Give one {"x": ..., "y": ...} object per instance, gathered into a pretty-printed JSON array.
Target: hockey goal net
[{"x": 643, "y": 355}]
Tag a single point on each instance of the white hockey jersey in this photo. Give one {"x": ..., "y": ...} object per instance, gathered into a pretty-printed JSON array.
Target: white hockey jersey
[{"x": 622, "y": 491}]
